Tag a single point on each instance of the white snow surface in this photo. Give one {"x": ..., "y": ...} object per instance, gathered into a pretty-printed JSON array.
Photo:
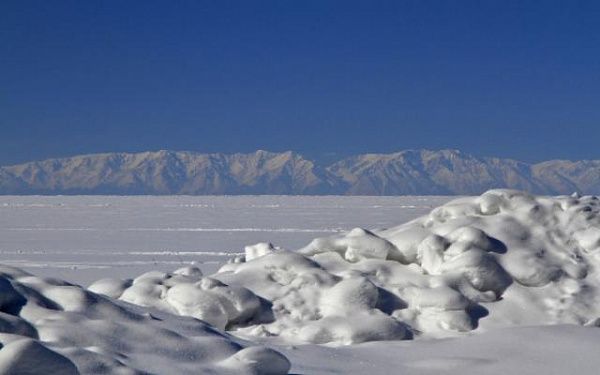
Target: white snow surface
[
  {"x": 85, "y": 238},
  {"x": 502, "y": 283},
  {"x": 504, "y": 258},
  {"x": 52, "y": 327}
]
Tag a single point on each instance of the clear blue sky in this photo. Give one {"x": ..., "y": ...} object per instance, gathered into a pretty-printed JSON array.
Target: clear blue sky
[{"x": 516, "y": 79}]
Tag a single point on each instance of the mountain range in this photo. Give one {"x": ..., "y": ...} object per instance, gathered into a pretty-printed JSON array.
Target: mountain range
[{"x": 410, "y": 172}]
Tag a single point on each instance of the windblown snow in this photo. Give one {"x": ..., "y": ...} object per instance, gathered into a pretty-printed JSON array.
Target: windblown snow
[
  {"x": 477, "y": 264},
  {"x": 53, "y": 327}
]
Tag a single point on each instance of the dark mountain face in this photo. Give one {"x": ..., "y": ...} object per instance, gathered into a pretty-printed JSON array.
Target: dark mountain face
[{"x": 416, "y": 172}]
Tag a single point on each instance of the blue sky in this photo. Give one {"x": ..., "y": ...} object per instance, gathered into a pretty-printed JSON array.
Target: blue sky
[{"x": 505, "y": 78}]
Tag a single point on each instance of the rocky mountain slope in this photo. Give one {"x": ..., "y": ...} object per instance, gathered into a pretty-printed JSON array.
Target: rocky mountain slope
[{"x": 407, "y": 172}]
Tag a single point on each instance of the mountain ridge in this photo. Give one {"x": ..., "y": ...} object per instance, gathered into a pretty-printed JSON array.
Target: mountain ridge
[{"x": 407, "y": 172}]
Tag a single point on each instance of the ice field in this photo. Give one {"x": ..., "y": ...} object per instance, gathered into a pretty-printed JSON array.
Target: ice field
[
  {"x": 505, "y": 282},
  {"x": 83, "y": 238}
]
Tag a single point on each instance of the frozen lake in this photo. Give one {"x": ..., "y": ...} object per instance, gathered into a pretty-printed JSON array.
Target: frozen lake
[
  {"x": 84, "y": 238},
  {"x": 519, "y": 319}
]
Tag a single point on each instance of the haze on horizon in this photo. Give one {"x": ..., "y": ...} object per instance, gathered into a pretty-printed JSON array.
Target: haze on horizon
[{"x": 501, "y": 78}]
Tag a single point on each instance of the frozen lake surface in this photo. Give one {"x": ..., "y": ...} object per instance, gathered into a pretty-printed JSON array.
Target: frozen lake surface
[
  {"x": 84, "y": 238},
  {"x": 502, "y": 283}
]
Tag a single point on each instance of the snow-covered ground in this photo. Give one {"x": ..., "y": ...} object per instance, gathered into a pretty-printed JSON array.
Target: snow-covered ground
[
  {"x": 84, "y": 238},
  {"x": 501, "y": 283}
]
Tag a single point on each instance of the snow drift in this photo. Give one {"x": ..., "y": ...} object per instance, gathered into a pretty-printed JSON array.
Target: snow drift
[
  {"x": 52, "y": 327},
  {"x": 501, "y": 259}
]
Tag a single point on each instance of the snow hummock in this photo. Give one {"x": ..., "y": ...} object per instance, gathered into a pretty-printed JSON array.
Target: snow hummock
[
  {"x": 504, "y": 258},
  {"x": 186, "y": 292},
  {"x": 490, "y": 264},
  {"x": 52, "y": 327}
]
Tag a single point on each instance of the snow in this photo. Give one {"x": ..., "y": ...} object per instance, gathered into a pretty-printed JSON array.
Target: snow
[
  {"x": 512, "y": 258},
  {"x": 505, "y": 282},
  {"x": 85, "y": 238},
  {"x": 255, "y": 251},
  {"x": 186, "y": 292},
  {"x": 28, "y": 357},
  {"x": 50, "y": 326},
  {"x": 548, "y": 350}
]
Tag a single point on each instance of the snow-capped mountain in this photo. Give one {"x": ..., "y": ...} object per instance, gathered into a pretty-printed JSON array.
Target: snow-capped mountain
[
  {"x": 261, "y": 172},
  {"x": 433, "y": 172},
  {"x": 166, "y": 172}
]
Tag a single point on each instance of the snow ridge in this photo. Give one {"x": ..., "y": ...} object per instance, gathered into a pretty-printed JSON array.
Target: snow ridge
[
  {"x": 49, "y": 326},
  {"x": 489, "y": 264},
  {"x": 501, "y": 259}
]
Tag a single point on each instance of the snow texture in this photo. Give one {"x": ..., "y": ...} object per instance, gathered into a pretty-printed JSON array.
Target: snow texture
[
  {"x": 501, "y": 259},
  {"x": 519, "y": 270},
  {"x": 52, "y": 327},
  {"x": 82, "y": 239}
]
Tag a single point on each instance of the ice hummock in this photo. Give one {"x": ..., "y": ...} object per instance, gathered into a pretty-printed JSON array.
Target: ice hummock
[
  {"x": 52, "y": 327},
  {"x": 504, "y": 258}
]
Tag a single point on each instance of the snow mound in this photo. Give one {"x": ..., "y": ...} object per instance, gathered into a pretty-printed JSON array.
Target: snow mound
[
  {"x": 48, "y": 326},
  {"x": 185, "y": 292},
  {"x": 503, "y": 258},
  {"x": 25, "y": 356}
]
